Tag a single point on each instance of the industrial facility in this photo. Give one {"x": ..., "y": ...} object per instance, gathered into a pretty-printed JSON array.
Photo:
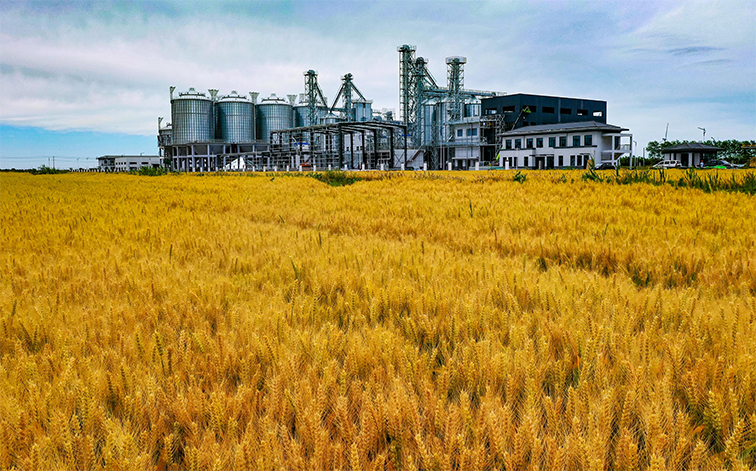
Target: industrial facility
[{"x": 440, "y": 126}]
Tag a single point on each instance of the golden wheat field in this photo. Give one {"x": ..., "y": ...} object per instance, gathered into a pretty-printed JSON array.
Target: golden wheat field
[{"x": 439, "y": 322}]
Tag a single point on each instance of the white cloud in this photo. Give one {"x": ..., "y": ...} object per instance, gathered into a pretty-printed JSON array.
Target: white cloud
[{"x": 108, "y": 69}]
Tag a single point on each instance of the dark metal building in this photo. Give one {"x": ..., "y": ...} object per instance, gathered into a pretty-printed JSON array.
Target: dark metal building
[
  {"x": 504, "y": 113},
  {"x": 521, "y": 110}
]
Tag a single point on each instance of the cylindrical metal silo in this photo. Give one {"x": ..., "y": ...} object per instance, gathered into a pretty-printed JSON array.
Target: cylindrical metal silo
[
  {"x": 192, "y": 117},
  {"x": 440, "y": 118},
  {"x": 236, "y": 118},
  {"x": 273, "y": 114},
  {"x": 363, "y": 110},
  {"x": 427, "y": 120},
  {"x": 300, "y": 115}
]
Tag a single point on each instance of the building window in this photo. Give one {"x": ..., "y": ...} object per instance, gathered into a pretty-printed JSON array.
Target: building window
[
  {"x": 459, "y": 133},
  {"x": 474, "y": 132},
  {"x": 518, "y": 143},
  {"x": 530, "y": 108},
  {"x": 572, "y": 161},
  {"x": 598, "y": 114},
  {"x": 548, "y": 109},
  {"x": 563, "y": 141},
  {"x": 509, "y": 143},
  {"x": 508, "y": 109},
  {"x": 526, "y": 161},
  {"x": 617, "y": 142},
  {"x": 575, "y": 141},
  {"x": 561, "y": 161},
  {"x": 580, "y": 161},
  {"x": 490, "y": 111},
  {"x": 539, "y": 142},
  {"x": 529, "y": 143},
  {"x": 565, "y": 111},
  {"x": 582, "y": 112},
  {"x": 552, "y": 142},
  {"x": 588, "y": 139}
]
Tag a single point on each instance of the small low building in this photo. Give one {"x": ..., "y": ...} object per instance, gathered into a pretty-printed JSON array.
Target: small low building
[
  {"x": 127, "y": 163},
  {"x": 691, "y": 154},
  {"x": 564, "y": 145}
]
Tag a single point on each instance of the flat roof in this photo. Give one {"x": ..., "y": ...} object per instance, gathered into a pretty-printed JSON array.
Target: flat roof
[
  {"x": 348, "y": 126},
  {"x": 542, "y": 96},
  {"x": 128, "y": 156}
]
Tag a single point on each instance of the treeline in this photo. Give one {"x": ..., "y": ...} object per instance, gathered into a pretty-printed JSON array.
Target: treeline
[
  {"x": 732, "y": 150},
  {"x": 45, "y": 170}
]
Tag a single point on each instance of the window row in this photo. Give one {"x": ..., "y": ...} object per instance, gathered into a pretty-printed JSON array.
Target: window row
[
  {"x": 472, "y": 132},
  {"x": 587, "y": 141},
  {"x": 578, "y": 161},
  {"x": 545, "y": 110}
]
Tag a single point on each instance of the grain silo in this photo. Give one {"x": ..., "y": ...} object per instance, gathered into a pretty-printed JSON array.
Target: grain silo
[
  {"x": 236, "y": 118},
  {"x": 273, "y": 114},
  {"x": 192, "y": 117}
]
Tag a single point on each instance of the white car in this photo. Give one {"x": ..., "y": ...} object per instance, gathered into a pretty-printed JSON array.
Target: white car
[
  {"x": 667, "y": 164},
  {"x": 733, "y": 165}
]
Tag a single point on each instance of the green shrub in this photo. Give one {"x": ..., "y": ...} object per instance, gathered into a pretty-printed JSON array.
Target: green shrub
[
  {"x": 335, "y": 177},
  {"x": 152, "y": 171},
  {"x": 45, "y": 170}
]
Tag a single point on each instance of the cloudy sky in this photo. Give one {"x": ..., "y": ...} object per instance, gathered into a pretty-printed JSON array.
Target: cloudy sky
[{"x": 86, "y": 78}]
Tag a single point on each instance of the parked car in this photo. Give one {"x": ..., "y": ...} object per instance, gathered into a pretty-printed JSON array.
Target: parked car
[
  {"x": 606, "y": 166},
  {"x": 667, "y": 164},
  {"x": 720, "y": 164}
]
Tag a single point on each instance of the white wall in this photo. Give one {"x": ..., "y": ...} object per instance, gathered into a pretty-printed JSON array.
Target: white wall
[
  {"x": 128, "y": 163},
  {"x": 600, "y": 149}
]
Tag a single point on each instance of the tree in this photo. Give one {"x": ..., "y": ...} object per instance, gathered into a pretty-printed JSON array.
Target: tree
[{"x": 655, "y": 148}]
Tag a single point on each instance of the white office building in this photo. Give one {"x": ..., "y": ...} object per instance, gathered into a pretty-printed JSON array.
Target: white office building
[
  {"x": 127, "y": 163},
  {"x": 564, "y": 145},
  {"x": 467, "y": 142}
]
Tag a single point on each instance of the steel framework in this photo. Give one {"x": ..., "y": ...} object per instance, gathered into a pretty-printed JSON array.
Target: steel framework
[
  {"x": 314, "y": 97},
  {"x": 455, "y": 83},
  {"x": 417, "y": 88},
  {"x": 324, "y": 146},
  {"x": 345, "y": 93}
]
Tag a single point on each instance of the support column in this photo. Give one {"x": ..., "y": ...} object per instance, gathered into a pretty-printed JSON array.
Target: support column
[
  {"x": 405, "y": 147},
  {"x": 351, "y": 148},
  {"x": 362, "y": 135},
  {"x": 391, "y": 147},
  {"x": 341, "y": 147}
]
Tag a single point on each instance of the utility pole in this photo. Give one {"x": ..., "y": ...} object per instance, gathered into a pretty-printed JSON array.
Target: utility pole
[{"x": 633, "y": 153}]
